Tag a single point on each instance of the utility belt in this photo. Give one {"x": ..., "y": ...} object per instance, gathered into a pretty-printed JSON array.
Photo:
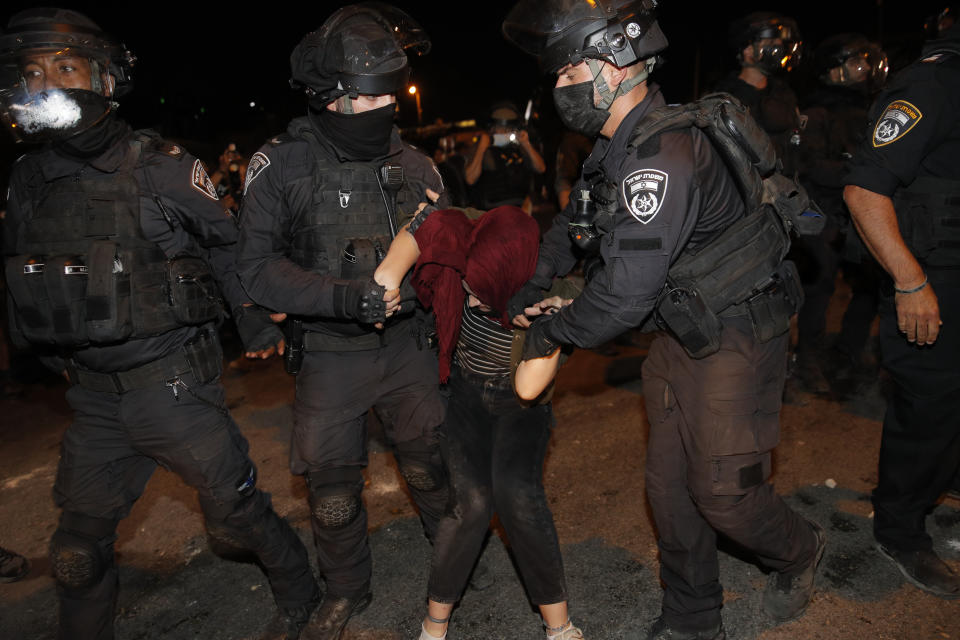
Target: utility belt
[
  {"x": 300, "y": 341},
  {"x": 741, "y": 273},
  {"x": 319, "y": 341},
  {"x": 201, "y": 357}
]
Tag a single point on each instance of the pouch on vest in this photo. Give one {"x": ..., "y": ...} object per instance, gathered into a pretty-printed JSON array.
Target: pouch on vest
[
  {"x": 771, "y": 309},
  {"x": 24, "y": 276},
  {"x": 205, "y": 356},
  {"x": 65, "y": 278},
  {"x": 688, "y": 317},
  {"x": 108, "y": 294},
  {"x": 193, "y": 293},
  {"x": 360, "y": 256}
]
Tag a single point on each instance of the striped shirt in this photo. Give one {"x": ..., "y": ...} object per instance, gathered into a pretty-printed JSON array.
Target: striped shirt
[{"x": 484, "y": 345}]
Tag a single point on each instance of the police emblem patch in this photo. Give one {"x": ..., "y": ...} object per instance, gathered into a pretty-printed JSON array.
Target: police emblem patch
[
  {"x": 644, "y": 192},
  {"x": 202, "y": 182},
  {"x": 258, "y": 162},
  {"x": 898, "y": 118}
]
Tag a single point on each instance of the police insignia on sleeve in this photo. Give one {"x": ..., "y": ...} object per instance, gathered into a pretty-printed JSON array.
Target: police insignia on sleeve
[
  {"x": 202, "y": 182},
  {"x": 644, "y": 191},
  {"x": 258, "y": 162},
  {"x": 898, "y": 118}
]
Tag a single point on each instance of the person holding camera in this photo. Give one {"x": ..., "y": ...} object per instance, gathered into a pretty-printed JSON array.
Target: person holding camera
[{"x": 504, "y": 161}]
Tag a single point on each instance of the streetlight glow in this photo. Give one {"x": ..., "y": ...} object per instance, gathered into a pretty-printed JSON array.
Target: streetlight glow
[{"x": 412, "y": 89}]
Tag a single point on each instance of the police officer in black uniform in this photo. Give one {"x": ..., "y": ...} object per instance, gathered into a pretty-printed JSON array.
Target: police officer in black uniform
[
  {"x": 669, "y": 198},
  {"x": 768, "y": 45},
  {"x": 118, "y": 255},
  {"x": 851, "y": 70},
  {"x": 316, "y": 218},
  {"x": 904, "y": 196}
]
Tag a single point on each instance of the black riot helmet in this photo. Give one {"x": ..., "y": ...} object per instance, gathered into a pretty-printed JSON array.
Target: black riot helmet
[
  {"x": 934, "y": 26},
  {"x": 562, "y": 32},
  {"x": 360, "y": 49},
  {"x": 37, "y": 109},
  {"x": 756, "y": 29},
  {"x": 850, "y": 59}
]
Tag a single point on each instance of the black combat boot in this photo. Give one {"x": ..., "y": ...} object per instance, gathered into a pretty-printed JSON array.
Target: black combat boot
[
  {"x": 13, "y": 566},
  {"x": 788, "y": 595},
  {"x": 287, "y": 624},
  {"x": 925, "y": 570},
  {"x": 661, "y": 631},
  {"x": 330, "y": 618}
]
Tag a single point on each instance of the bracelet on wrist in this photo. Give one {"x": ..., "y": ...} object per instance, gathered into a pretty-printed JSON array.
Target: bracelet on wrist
[{"x": 913, "y": 290}]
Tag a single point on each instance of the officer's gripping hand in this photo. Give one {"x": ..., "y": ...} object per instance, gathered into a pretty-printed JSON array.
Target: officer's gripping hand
[
  {"x": 259, "y": 332},
  {"x": 360, "y": 300},
  {"x": 528, "y": 295},
  {"x": 918, "y": 315},
  {"x": 536, "y": 343}
]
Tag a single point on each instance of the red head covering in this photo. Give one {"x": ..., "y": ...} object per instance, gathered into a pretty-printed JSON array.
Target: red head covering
[{"x": 495, "y": 254}]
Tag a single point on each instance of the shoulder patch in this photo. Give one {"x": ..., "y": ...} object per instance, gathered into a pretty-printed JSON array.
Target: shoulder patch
[
  {"x": 202, "y": 182},
  {"x": 258, "y": 162},
  {"x": 171, "y": 149},
  {"x": 644, "y": 192},
  {"x": 898, "y": 118},
  {"x": 280, "y": 139}
]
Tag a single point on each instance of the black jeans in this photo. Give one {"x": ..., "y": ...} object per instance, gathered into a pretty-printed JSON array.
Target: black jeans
[
  {"x": 494, "y": 449},
  {"x": 920, "y": 446}
]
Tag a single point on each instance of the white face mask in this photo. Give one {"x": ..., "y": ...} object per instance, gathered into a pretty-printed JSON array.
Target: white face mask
[{"x": 503, "y": 139}]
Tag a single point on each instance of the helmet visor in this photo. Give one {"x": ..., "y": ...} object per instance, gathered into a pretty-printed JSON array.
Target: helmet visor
[{"x": 50, "y": 115}]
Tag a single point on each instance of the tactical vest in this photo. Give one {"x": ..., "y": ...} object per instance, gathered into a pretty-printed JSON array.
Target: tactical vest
[
  {"x": 85, "y": 273},
  {"x": 742, "y": 271},
  {"x": 345, "y": 233},
  {"x": 928, "y": 211}
]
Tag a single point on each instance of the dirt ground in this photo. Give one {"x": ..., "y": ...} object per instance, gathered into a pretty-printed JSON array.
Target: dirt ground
[{"x": 173, "y": 587}]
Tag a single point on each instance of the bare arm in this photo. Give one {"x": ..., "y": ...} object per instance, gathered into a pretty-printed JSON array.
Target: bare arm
[
  {"x": 533, "y": 376},
  {"x": 475, "y": 167},
  {"x": 536, "y": 160},
  {"x": 918, "y": 313},
  {"x": 401, "y": 255}
]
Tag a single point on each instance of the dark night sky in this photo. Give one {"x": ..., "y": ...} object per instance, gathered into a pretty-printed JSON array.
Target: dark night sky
[{"x": 219, "y": 58}]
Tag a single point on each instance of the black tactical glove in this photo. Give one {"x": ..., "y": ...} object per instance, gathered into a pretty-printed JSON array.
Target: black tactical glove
[
  {"x": 536, "y": 344},
  {"x": 360, "y": 300},
  {"x": 529, "y": 295},
  {"x": 257, "y": 331}
]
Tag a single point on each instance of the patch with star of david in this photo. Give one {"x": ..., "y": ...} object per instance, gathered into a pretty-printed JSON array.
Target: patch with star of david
[
  {"x": 644, "y": 192},
  {"x": 898, "y": 118}
]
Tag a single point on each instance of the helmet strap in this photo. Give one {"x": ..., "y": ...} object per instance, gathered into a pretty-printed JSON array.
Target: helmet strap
[
  {"x": 606, "y": 95},
  {"x": 96, "y": 79}
]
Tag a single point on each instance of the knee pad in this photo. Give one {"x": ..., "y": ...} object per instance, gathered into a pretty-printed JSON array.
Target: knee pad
[
  {"x": 78, "y": 561},
  {"x": 335, "y": 497},
  {"x": 420, "y": 477},
  {"x": 337, "y": 510},
  {"x": 421, "y": 465}
]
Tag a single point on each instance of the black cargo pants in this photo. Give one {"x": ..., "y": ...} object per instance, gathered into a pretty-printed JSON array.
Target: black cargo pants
[
  {"x": 713, "y": 424},
  {"x": 335, "y": 390},
  {"x": 110, "y": 451}
]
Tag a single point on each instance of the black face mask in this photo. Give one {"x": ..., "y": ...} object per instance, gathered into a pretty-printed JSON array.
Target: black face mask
[
  {"x": 95, "y": 140},
  {"x": 358, "y": 136},
  {"x": 576, "y": 109}
]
